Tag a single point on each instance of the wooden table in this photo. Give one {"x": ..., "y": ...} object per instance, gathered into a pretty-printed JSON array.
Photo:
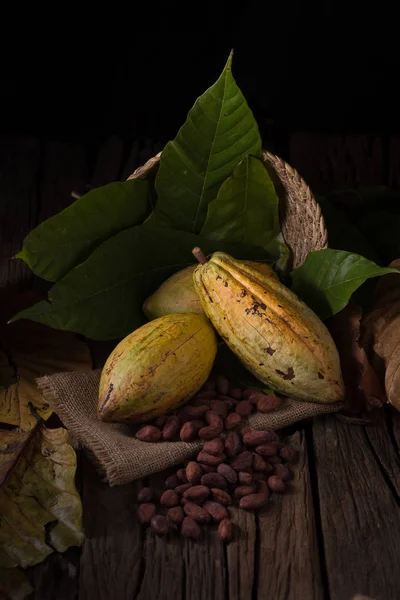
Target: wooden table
[{"x": 335, "y": 536}]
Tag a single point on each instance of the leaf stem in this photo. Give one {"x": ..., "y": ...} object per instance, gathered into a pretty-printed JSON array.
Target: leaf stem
[{"x": 199, "y": 255}]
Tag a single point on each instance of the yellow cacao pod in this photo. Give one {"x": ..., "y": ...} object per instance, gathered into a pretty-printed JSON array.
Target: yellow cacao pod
[
  {"x": 276, "y": 336},
  {"x": 177, "y": 293},
  {"x": 156, "y": 368}
]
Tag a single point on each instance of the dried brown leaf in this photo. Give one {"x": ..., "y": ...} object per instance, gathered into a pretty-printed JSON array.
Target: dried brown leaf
[
  {"x": 30, "y": 350},
  {"x": 387, "y": 290},
  {"x": 363, "y": 388},
  {"x": 392, "y": 378}
]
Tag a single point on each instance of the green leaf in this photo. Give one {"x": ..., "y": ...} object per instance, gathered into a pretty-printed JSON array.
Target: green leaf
[
  {"x": 327, "y": 279},
  {"x": 67, "y": 238},
  {"x": 102, "y": 297},
  {"x": 246, "y": 210},
  {"x": 219, "y": 131}
]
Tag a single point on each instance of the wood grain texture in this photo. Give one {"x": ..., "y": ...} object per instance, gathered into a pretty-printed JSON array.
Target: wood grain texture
[
  {"x": 111, "y": 555},
  {"x": 57, "y": 577},
  {"x": 288, "y": 563},
  {"x": 64, "y": 170},
  {"x": 205, "y": 567},
  {"x": 330, "y": 162},
  {"x": 385, "y": 449},
  {"x": 241, "y": 555},
  {"x": 19, "y": 172},
  {"x": 108, "y": 162},
  {"x": 359, "y": 514}
]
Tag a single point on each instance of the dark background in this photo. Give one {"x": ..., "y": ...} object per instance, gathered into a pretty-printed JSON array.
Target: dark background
[{"x": 311, "y": 67}]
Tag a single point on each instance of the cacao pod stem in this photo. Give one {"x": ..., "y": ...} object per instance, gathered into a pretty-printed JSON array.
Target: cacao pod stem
[{"x": 199, "y": 254}]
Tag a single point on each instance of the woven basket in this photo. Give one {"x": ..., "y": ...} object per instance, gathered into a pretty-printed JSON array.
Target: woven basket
[{"x": 302, "y": 223}]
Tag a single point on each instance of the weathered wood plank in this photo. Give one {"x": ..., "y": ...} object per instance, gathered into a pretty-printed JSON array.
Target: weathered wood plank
[
  {"x": 108, "y": 163},
  {"x": 205, "y": 568},
  {"x": 19, "y": 169},
  {"x": 330, "y": 162},
  {"x": 163, "y": 571},
  {"x": 386, "y": 452},
  {"x": 288, "y": 565},
  {"x": 57, "y": 577},
  {"x": 241, "y": 555},
  {"x": 359, "y": 514},
  {"x": 64, "y": 170},
  {"x": 112, "y": 552}
]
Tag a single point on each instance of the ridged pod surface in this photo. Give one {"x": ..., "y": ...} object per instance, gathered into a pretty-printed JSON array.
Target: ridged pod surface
[
  {"x": 276, "y": 336},
  {"x": 156, "y": 368},
  {"x": 177, "y": 293}
]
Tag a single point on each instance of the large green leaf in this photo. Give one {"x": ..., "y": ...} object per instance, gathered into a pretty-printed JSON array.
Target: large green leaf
[
  {"x": 327, "y": 279},
  {"x": 102, "y": 297},
  {"x": 67, "y": 238},
  {"x": 219, "y": 131},
  {"x": 246, "y": 210}
]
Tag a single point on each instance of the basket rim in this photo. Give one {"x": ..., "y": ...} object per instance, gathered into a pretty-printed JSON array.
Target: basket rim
[{"x": 279, "y": 165}]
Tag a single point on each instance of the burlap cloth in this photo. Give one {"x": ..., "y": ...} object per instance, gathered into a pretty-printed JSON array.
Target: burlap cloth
[{"x": 119, "y": 456}]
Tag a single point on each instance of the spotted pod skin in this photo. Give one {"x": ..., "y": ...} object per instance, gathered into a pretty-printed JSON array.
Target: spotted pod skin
[
  {"x": 156, "y": 368},
  {"x": 276, "y": 336},
  {"x": 177, "y": 293}
]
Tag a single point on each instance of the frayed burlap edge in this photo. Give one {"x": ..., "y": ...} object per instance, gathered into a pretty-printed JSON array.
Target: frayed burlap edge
[{"x": 121, "y": 458}]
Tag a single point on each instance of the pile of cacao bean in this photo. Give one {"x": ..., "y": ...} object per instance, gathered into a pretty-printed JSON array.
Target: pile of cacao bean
[
  {"x": 243, "y": 469},
  {"x": 217, "y": 407}
]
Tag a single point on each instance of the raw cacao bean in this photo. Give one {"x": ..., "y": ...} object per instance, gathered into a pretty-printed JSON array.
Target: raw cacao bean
[
  {"x": 257, "y": 438},
  {"x": 221, "y": 496},
  {"x": 248, "y": 392},
  {"x": 220, "y": 407},
  {"x": 214, "y": 447},
  {"x": 276, "y": 484},
  {"x": 197, "y": 494},
  {"x": 193, "y": 472},
  {"x": 160, "y": 421},
  {"x": 172, "y": 482},
  {"x": 259, "y": 463},
  {"x": 146, "y": 512},
  {"x": 245, "y": 478},
  {"x": 145, "y": 495},
  {"x": 243, "y": 461},
  {"x": 209, "y": 459},
  {"x": 208, "y": 468},
  {"x": 188, "y": 432},
  {"x": 266, "y": 450},
  {"x": 233, "y": 445},
  {"x": 176, "y": 514},
  {"x": 190, "y": 529},
  {"x": 286, "y": 453},
  {"x": 215, "y": 480},
  {"x": 181, "y": 489},
  {"x": 196, "y": 512},
  {"x": 227, "y": 472},
  {"x": 222, "y": 385},
  {"x": 216, "y": 510},
  {"x": 282, "y": 472},
  {"x": 169, "y": 499},
  {"x": 265, "y": 405},
  {"x": 244, "y": 490},
  {"x": 235, "y": 392},
  {"x": 225, "y": 530},
  {"x": 181, "y": 475},
  {"x": 148, "y": 433},
  {"x": 210, "y": 432},
  {"x": 233, "y": 420},
  {"x": 244, "y": 408},
  {"x": 159, "y": 525},
  {"x": 171, "y": 428}
]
